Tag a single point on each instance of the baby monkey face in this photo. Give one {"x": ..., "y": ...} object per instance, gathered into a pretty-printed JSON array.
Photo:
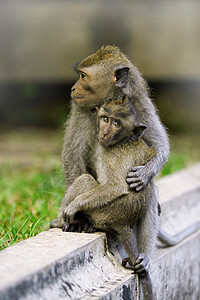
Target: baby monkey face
[
  {"x": 117, "y": 123},
  {"x": 110, "y": 130}
]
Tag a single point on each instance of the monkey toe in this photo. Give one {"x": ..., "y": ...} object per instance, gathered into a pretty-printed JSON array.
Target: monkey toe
[
  {"x": 89, "y": 228},
  {"x": 126, "y": 261},
  {"x": 71, "y": 227},
  {"x": 141, "y": 266},
  {"x": 57, "y": 223},
  {"x": 66, "y": 227},
  {"x": 130, "y": 177}
]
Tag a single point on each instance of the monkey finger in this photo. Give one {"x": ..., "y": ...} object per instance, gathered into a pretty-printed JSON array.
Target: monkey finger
[
  {"x": 137, "y": 180},
  {"x": 139, "y": 187},
  {"x": 133, "y": 180},
  {"x": 137, "y": 168},
  {"x": 132, "y": 174},
  {"x": 135, "y": 185}
]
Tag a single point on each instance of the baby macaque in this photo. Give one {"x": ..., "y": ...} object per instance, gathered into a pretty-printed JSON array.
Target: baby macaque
[{"x": 106, "y": 200}]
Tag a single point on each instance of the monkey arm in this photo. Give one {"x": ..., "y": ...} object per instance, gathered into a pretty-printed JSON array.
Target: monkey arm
[
  {"x": 79, "y": 130},
  {"x": 156, "y": 137},
  {"x": 93, "y": 199}
]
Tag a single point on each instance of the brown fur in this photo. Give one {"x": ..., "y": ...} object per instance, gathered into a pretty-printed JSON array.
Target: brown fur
[
  {"x": 107, "y": 201},
  {"x": 110, "y": 74}
]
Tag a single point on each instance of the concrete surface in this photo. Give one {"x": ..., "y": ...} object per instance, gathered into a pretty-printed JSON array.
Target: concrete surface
[{"x": 57, "y": 265}]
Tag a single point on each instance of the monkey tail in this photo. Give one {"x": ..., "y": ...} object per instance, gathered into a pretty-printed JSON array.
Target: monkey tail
[
  {"x": 171, "y": 240},
  {"x": 137, "y": 287},
  {"x": 147, "y": 287}
]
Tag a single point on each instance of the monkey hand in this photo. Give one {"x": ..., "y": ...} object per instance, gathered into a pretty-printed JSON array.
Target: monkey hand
[{"x": 138, "y": 177}]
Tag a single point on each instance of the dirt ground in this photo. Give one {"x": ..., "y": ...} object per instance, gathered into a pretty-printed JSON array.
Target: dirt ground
[{"x": 30, "y": 148}]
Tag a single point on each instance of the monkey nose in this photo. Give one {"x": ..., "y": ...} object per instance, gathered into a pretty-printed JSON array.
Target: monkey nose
[{"x": 105, "y": 134}]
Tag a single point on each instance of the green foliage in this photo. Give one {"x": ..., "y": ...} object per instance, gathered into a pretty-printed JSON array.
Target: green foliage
[
  {"x": 28, "y": 200},
  {"x": 176, "y": 162}
]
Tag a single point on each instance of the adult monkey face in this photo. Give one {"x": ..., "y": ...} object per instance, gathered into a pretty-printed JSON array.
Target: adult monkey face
[
  {"x": 100, "y": 77},
  {"x": 92, "y": 86}
]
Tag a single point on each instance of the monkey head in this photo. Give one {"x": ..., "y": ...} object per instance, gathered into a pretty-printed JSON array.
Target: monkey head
[
  {"x": 105, "y": 74},
  {"x": 117, "y": 121}
]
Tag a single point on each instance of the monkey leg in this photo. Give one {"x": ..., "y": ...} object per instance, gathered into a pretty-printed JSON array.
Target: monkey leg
[
  {"x": 147, "y": 229},
  {"x": 129, "y": 242},
  {"x": 81, "y": 185}
]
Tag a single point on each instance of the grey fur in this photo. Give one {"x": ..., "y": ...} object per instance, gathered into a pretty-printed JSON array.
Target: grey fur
[
  {"x": 112, "y": 207},
  {"x": 81, "y": 128}
]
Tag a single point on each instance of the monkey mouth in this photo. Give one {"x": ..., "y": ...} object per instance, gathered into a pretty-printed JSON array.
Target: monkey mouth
[
  {"x": 78, "y": 98},
  {"x": 104, "y": 142}
]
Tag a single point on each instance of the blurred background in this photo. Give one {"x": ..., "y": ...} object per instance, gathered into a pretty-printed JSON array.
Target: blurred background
[
  {"x": 39, "y": 43},
  {"x": 41, "y": 40}
]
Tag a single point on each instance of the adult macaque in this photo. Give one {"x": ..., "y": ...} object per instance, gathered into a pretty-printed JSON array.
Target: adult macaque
[
  {"x": 108, "y": 202},
  {"x": 107, "y": 74},
  {"x": 110, "y": 74}
]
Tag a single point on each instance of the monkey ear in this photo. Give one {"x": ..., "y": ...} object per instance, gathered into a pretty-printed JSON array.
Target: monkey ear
[
  {"x": 121, "y": 76},
  {"x": 139, "y": 130}
]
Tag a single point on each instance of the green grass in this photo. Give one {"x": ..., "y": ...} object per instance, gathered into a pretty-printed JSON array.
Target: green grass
[
  {"x": 28, "y": 200},
  {"x": 176, "y": 162},
  {"x": 30, "y": 197}
]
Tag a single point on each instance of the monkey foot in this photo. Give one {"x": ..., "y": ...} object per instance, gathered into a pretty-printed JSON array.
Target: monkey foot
[
  {"x": 80, "y": 224},
  {"x": 72, "y": 227},
  {"x": 141, "y": 265}
]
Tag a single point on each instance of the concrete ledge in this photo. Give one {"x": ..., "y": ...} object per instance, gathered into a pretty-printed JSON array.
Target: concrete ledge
[
  {"x": 176, "y": 271},
  {"x": 57, "y": 265},
  {"x": 179, "y": 195}
]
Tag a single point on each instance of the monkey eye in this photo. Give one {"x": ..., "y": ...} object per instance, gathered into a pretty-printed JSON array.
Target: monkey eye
[
  {"x": 116, "y": 123},
  {"x": 82, "y": 75},
  {"x": 105, "y": 119}
]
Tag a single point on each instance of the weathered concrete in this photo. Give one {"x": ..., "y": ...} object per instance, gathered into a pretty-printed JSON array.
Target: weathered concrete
[
  {"x": 176, "y": 271},
  {"x": 179, "y": 195},
  {"x": 57, "y": 265}
]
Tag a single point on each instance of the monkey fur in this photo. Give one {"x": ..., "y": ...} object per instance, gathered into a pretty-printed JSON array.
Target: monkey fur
[
  {"x": 107, "y": 201},
  {"x": 108, "y": 73}
]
